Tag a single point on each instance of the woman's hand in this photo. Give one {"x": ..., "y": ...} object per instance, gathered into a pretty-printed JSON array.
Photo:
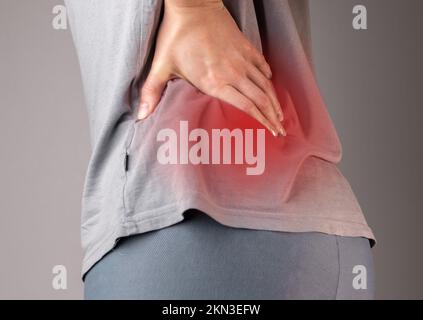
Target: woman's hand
[{"x": 199, "y": 41}]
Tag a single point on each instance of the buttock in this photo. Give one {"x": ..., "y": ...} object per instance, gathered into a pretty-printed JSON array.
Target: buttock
[{"x": 200, "y": 258}]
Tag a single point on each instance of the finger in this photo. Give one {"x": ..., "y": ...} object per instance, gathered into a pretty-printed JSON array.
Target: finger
[
  {"x": 266, "y": 85},
  {"x": 234, "y": 97},
  {"x": 151, "y": 93},
  {"x": 260, "y": 62},
  {"x": 261, "y": 100}
]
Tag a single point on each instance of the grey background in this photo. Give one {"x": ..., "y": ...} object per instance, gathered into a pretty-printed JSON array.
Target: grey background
[{"x": 372, "y": 82}]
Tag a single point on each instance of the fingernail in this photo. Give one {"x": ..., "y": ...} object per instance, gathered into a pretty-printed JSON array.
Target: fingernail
[
  {"x": 143, "y": 110},
  {"x": 275, "y": 134},
  {"x": 282, "y": 131}
]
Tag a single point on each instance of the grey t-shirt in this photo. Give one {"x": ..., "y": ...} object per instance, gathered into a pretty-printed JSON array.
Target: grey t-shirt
[{"x": 136, "y": 181}]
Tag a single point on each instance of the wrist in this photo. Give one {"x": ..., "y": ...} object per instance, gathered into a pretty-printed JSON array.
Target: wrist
[{"x": 186, "y": 4}]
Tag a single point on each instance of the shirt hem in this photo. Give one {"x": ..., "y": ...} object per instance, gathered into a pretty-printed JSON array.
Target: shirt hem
[{"x": 231, "y": 217}]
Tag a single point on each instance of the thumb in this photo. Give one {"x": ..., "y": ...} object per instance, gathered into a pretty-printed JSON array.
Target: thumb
[{"x": 151, "y": 93}]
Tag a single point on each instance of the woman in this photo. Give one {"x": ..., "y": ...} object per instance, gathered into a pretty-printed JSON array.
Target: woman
[{"x": 186, "y": 196}]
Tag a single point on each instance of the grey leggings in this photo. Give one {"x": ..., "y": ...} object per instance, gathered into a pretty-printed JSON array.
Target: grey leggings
[{"x": 199, "y": 258}]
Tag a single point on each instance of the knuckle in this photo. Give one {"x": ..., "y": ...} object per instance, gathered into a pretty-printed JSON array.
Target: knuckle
[
  {"x": 263, "y": 101},
  {"x": 252, "y": 54},
  {"x": 247, "y": 48},
  {"x": 214, "y": 90},
  {"x": 250, "y": 50},
  {"x": 264, "y": 64},
  {"x": 268, "y": 85},
  {"x": 238, "y": 75},
  {"x": 261, "y": 60},
  {"x": 248, "y": 107},
  {"x": 211, "y": 80},
  {"x": 234, "y": 72}
]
